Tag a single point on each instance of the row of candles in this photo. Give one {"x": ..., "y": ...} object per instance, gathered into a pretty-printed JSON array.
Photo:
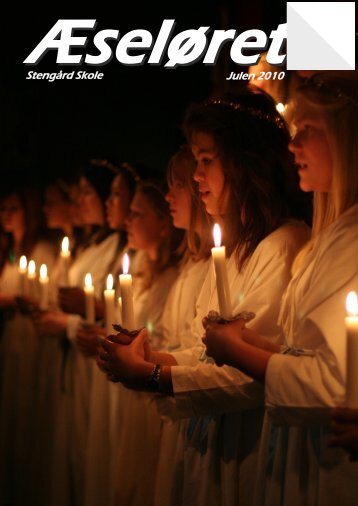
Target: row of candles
[
  {"x": 219, "y": 259},
  {"x": 30, "y": 285},
  {"x": 125, "y": 301}
]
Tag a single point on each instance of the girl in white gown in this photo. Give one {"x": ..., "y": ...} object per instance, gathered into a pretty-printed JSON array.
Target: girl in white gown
[
  {"x": 243, "y": 169},
  {"x": 99, "y": 443},
  {"x": 179, "y": 311},
  {"x": 20, "y": 346},
  {"x": 308, "y": 377},
  {"x": 135, "y": 441},
  {"x": 73, "y": 400},
  {"x": 61, "y": 213}
]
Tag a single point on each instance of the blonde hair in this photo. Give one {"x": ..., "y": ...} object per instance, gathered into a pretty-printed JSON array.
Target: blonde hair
[
  {"x": 196, "y": 243},
  {"x": 335, "y": 100}
]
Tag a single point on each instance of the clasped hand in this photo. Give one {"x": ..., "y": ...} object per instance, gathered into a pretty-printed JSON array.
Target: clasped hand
[
  {"x": 219, "y": 339},
  {"x": 122, "y": 357}
]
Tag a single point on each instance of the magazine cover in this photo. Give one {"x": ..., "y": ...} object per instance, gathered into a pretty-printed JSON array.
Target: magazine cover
[{"x": 178, "y": 254}]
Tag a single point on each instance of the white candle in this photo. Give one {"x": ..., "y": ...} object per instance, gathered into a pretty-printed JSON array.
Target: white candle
[
  {"x": 222, "y": 282},
  {"x": 109, "y": 299},
  {"x": 32, "y": 280},
  {"x": 65, "y": 261},
  {"x": 352, "y": 349},
  {"x": 89, "y": 293},
  {"x": 119, "y": 311},
  {"x": 44, "y": 293},
  {"x": 23, "y": 272},
  {"x": 125, "y": 281}
]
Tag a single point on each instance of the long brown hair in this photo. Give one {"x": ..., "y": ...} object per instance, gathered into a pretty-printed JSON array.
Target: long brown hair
[{"x": 252, "y": 142}]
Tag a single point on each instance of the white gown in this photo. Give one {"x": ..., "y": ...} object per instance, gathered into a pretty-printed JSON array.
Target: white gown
[
  {"x": 296, "y": 467},
  {"x": 220, "y": 450},
  {"x": 71, "y": 435},
  {"x": 135, "y": 442},
  {"x": 49, "y": 367},
  {"x": 20, "y": 347},
  {"x": 178, "y": 315},
  {"x": 97, "y": 465}
]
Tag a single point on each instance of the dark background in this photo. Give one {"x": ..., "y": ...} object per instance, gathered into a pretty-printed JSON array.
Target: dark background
[{"x": 134, "y": 113}]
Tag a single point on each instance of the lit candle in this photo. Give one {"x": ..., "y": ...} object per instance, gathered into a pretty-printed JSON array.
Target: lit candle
[
  {"x": 23, "y": 272},
  {"x": 32, "y": 279},
  {"x": 352, "y": 349},
  {"x": 89, "y": 292},
  {"x": 110, "y": 304},
  {"x": 125, "y": 281},
  {"x": 65, "y": 261},
  {"x": 44, "y": 294},
  {"x": 222, "y": 282}
]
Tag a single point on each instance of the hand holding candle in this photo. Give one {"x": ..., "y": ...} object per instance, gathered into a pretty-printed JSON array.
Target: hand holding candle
[
  {"x": 44, "y": 293},
  {"x": 352, "y": 349},
  {"x": 125, "y": 281},
  {"x": 222, "y": 282},
  {"x": 109, "y": 298},
  {"x": 89, "y": 293}
]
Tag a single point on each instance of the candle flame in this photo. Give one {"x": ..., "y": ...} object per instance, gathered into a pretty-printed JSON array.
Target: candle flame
[
  {"x": 65, "y": 245},
  {"x": 88, "y": 280},
  {"x": 43, "y": 271},
  {"x": 32, "y": 267},
  {"x": 23, "y": 263},
  {"x": 217, "y": 235},
  {"x": 280, "y": 108},
  {"x": 125, "y": 264},
  {"x": 352, "y": 304},
  {"x": 109, "y": 282}
]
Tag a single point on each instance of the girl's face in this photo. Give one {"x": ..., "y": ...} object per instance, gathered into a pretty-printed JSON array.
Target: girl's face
[
  {"x": 179, "y": 200},
  {"x": 12, "y": 215},
  {"x": 312, "y": 154},
  {"x": 56, "y": 209},
  {"x": 145, "y": 228},
  {"x": 90, "y": 204},
  {"x": 118, "y": 203},
  {"x": 209, "y": 174}
]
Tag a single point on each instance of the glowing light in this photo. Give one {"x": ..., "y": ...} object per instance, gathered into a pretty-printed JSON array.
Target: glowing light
[
  {"x": 125, "y": 264},
  {"x": 43, "y": 271},
  {"x": 280, "y": 108},
  {"x": 23, "y": 263},
  {"x": 88, "y": 280},
  {"x": 32, "y": 268},
  {"x": 352, "y": 304},
  {"x": 217, "y": 235},
  {"x": 65, "y": 245},
  {"x": 109, "y": 282}
]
